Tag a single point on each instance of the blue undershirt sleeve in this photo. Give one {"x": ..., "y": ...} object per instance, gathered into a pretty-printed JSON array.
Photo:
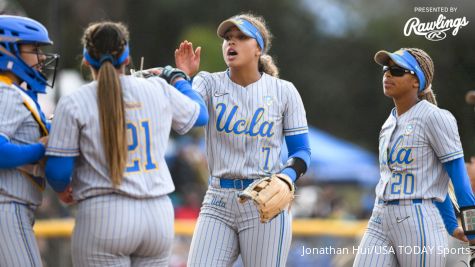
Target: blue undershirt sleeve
[
  {"x": 58, "y": 172},
  {"x": 447, "y": 212},
  {"x": 12, "y": 155},
  {"x": 298, "y": 147},
  {"x": 463, "y": 190},
  {"x": 185, "y": 88}
]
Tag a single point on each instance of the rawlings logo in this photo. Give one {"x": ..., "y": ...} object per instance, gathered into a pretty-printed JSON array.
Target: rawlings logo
[{"x": 434, "y": 30}]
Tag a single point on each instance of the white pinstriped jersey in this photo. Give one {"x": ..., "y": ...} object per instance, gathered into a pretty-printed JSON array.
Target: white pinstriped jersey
[
  {"x": 412, "y": 149},
  {"x": 247, "y": 124},
  {"x": 152, "y": 108},
  {"x": 19, "y": 127}
]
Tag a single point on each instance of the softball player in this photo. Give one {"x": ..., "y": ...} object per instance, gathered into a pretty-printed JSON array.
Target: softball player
[
  {"x": 23, "y": 135},
  {"x": 251, "y": 111},
  {"x": 419, "y": 148},
  {"x": 111, "y": 135}
]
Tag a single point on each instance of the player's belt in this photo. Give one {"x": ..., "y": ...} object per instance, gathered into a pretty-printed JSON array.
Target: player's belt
[
  {"x": 405, "y": 201},
  {"x": 230, "y": 183}
]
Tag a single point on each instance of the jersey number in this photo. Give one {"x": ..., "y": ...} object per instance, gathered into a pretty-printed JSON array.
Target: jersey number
[
  {"x": 266, "y": 151},
  {"x": 141, "y": 141},
  {"x": 406, "y": 183}
]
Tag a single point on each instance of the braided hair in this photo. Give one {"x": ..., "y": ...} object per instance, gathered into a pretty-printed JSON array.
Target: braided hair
[{"x": 427, "y": 65}]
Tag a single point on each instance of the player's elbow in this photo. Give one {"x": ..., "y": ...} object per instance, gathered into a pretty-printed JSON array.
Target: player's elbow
[
  {"x": 203, "y": 117},
  {"x": 58, "y": 173}
]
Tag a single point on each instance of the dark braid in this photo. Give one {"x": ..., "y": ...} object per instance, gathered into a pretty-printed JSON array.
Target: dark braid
[{"x": 427, "y": 65}]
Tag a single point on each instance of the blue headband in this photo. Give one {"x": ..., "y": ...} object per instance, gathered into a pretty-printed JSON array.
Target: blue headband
[
  {"x": 96, "y": 64},
  {"x": 404, "y": 59},
  {"x": 249, "y": 30}
]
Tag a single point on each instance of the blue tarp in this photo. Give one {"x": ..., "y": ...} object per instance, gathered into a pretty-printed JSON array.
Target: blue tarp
[{"x": 336, "y": 160}]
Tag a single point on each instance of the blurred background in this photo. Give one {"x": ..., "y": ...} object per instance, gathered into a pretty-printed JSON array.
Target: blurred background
[{"x": 325, "y": 47}]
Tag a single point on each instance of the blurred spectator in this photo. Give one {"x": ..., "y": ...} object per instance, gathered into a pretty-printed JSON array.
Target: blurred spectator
[{"x": 190, "y": 209}]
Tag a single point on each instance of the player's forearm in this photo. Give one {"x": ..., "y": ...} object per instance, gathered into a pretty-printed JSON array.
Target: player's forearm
[
  {"x": 58, "y": 172},
  {"x": 447, "y": 212},
  {"x": 458, "y": 174},
  {"x": 12, "y": 156},
  {"x": 298, "y": 147},
  {"x": 185, "y": 88}
]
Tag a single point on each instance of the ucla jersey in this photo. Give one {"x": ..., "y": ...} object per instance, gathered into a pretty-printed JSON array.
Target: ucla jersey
[
  {"x": 18, "y": 125},
  {"x": 412, "y": 149},
  {"x": 247, "y": 124},
  {"x": 153, "y": 108}
]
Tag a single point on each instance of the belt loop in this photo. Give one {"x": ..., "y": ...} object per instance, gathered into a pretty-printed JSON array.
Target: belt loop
[{"x": 238, "y": 184}]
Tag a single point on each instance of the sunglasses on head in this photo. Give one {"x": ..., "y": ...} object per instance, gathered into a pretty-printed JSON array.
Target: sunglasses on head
[{"x": 396, "y": 70}]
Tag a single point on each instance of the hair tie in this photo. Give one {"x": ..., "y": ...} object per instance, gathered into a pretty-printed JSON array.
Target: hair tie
[
  {"x": 96, "y": 64},
  {"x": 106, "y": 57},
  {"x": 426, "y": 91}
]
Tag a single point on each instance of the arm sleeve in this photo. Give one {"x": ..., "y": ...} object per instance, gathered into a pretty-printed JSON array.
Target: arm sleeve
[
  {"x": 443, "y": 135},
  {"x": 295, "y": 119},
  {"x": 184, "y": 110},
  {"x": 298, "y": 147},
  {"x": 458, "y": 174},
  {"x": 58, "y": 172},
  {"x": 65, "y": 130},
  {"x": 463, "y": 190},
  {"x": 185, "y": 88},
  {"x": 447, "y": 212},
  {"x": 12, "y": 156}
]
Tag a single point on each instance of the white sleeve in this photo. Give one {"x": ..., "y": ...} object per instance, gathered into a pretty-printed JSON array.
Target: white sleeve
[
  {"x": 201, "y": 84},
  {"x": 184, "y": 110},
  {"x": 443, "y": 135},
  {"x": 65, "y": 130},
  {"x": 295, "y": 118}
]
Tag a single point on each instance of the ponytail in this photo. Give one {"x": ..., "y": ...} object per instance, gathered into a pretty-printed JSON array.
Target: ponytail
[
  {"x": 105, "y": 48},
  {"x": 428, "y": 95},
  {"x": 267, "y": 65},
  {"x": 112, "y": 120}
]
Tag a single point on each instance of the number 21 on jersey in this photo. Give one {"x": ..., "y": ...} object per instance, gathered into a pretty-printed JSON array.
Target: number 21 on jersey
[{"x": 140, "y": 144}]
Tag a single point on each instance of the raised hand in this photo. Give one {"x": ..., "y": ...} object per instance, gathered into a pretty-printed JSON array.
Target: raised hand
[{"x": 188, "y": 59}]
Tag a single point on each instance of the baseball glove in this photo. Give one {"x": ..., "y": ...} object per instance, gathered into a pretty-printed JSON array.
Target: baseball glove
[{"x": 271, "y": 195}]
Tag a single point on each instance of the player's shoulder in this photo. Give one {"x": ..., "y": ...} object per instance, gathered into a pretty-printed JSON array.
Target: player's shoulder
[
  {"x": 6, "y": 89},
  {"x": 211, "y": 76},
  {"x": 85, "y": 89},
  {"x": 74, "y": 99},
  {"x": 431, "y": 114},
  {"x": 137, "y": 83},
  {"x": 11, "y": 95},
  {"x": 433, "y": 111},
  {"x": 276, "y": 81}
]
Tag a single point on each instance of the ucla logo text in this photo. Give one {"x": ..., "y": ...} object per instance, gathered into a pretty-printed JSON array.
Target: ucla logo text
[
  {"x": 400, "y": 155},
  {"x": 255, "y": 127}
]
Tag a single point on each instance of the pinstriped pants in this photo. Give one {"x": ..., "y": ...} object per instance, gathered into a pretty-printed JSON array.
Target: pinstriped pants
[
  {"x": 115, "y": 230},
  {"x": 227, "y": 228},
  {"x": 409, "y": 235},
  {"x": 17, "y": 241}
]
